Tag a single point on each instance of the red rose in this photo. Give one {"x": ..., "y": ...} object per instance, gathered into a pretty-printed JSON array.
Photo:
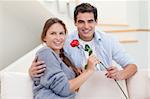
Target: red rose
[{"x": 74, "y": 43}]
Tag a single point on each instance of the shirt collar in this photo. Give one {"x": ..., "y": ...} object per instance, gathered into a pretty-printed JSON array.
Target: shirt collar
[{"x": 97, "y": 35}]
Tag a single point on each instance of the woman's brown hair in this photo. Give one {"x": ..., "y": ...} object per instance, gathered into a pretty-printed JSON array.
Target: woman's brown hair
[{"x": 47, "y": 25}]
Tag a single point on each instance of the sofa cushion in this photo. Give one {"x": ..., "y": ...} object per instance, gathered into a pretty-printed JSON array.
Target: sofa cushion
[{"x": 16, "y": 85}]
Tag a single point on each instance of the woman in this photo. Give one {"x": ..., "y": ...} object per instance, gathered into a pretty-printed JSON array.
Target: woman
[{"x": 61, "y": 79}]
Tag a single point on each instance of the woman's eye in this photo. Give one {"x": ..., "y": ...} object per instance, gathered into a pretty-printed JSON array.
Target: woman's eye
[
  {"x": 62, "y": 33},
  {"x": 52, "y": 33}
]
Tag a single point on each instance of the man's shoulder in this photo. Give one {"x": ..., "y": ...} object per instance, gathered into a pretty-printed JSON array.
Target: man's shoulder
[
  {"x": 105, "y": 38},
  {"x": 72, "y": 35},
  {"x": 103, "y": 35}
]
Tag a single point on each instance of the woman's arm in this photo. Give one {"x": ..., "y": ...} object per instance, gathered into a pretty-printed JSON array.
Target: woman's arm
[{"x": 78, "y": 81}]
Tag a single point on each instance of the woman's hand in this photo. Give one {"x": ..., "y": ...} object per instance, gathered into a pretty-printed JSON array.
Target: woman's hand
[
  {"x": 92, "y": 62},
  {"x": 37, "y": 68},
  {"x": 80, "y": 70}
]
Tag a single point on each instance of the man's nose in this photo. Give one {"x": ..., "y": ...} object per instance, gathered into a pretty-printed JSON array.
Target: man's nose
[{"x": 86, "y": 25}]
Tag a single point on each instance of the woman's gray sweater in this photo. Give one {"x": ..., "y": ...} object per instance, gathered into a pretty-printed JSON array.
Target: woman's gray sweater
[{"x": 54, "y": 83}]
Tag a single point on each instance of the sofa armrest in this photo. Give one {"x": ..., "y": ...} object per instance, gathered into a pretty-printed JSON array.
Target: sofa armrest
[
  {"x": 15, "y": 85},
  {"x": 98, "y": 86},
  {"x": 138, "y": 85}
]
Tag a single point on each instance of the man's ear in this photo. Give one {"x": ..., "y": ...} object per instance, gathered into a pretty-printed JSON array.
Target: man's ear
[
  {"x": 75, "y": 23},
  {"x": 96, "y": 21}
]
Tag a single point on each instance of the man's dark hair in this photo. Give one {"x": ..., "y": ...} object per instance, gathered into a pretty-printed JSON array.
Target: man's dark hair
[{"x": 85, "y": 7}]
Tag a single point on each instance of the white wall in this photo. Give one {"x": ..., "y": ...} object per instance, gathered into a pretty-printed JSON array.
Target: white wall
[
  {"x": 1, "y": 49},
  {"x": 61, "y": 12},
  {"x": 22, "y": 23},
  {"x": 131, "y": 12},
  {"x": 143, "y": 14},
  {"x": 148, "y": 44},
  {"x": 149, "y": 15},
  {"x": 110, "y": 12},
  {"x": 137, "y": 13},
  {"x": 149, "y": 37}
]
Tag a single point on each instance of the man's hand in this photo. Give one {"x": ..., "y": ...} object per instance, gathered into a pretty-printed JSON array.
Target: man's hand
[
  {"x": 128, "y": 71},
  {"x": 37, "y": 68},
  {"x": 114, "y": 73}
]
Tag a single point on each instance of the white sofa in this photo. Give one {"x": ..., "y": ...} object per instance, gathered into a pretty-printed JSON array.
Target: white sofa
[{"x": 16, "y": 83}]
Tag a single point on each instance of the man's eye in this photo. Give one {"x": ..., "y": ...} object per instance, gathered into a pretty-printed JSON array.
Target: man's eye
[
  {"x": 80, "y": 21},
  {"x": 91, "y": 21}
]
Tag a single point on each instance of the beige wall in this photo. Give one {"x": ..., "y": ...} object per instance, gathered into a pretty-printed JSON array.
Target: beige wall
[{"x": 22, "y": 22}]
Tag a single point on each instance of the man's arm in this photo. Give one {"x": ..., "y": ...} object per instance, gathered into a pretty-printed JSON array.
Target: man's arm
[
  {"x": 129, "y": 71},
  {"x": 121, "y": 57}
]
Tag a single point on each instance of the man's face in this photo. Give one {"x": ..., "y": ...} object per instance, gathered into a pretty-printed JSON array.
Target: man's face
[{"x": 85, "y": 24}]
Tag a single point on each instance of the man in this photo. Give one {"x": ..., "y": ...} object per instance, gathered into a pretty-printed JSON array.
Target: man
[{"x": 103, "y": 46}]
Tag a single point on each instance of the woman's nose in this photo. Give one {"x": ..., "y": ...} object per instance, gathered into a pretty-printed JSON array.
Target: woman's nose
[{"x": 58, "y": 36}]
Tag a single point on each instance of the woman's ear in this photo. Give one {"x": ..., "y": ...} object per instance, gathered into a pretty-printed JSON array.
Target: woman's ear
[{"x": 44, "y": 39}]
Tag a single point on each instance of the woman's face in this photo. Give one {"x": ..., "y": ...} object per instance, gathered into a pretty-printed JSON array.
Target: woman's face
[{"x": 55, "y": 37}]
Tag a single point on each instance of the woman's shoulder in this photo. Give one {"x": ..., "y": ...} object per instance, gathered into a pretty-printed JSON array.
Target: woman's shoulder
[
  {"x": 44, "y": 50},
  {"x": 47, "y": 53}
]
